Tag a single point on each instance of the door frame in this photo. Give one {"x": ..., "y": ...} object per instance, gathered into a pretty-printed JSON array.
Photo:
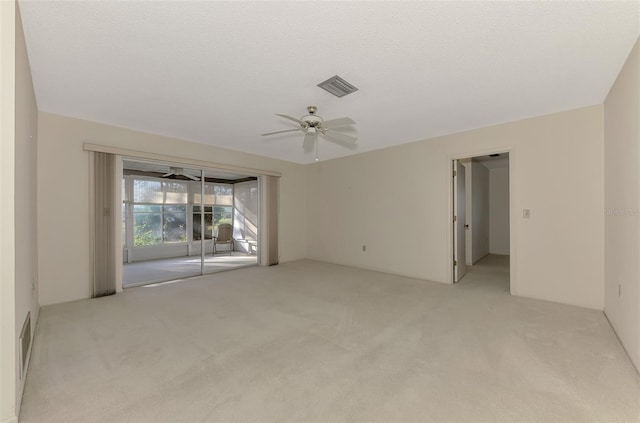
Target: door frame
[
  {"x": 513, "y": 261},
  {"x": 459, "y": 226}
]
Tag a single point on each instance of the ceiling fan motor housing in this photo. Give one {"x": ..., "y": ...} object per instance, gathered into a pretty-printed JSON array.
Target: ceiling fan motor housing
[{"x": 312, "y": 121}]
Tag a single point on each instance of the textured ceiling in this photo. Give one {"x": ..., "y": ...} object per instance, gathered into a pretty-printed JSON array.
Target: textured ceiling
[{"x": 216, "y": 72}]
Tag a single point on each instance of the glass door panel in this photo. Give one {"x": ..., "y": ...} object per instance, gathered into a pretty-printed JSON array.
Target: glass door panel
[
  {"x": 233, "y": 205},
  {"x": 156, "y": 210}
]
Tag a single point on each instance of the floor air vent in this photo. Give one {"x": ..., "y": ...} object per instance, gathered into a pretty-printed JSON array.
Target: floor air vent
[{"x": 25, "y": 344}]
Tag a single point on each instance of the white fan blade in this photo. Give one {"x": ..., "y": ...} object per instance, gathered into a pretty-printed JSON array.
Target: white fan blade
[
  {"x": 168, "y": 174},
  {"x": 342, "y": 138},
  {"x": 336, "y": 123},
  {"x": 307, "y": 144},
  {"x": 298, "y": 121},
  {"x": 193, "y": 178},
  {"x": 281, "y": 132}
]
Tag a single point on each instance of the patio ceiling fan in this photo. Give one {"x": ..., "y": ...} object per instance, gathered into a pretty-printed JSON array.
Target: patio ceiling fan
[
  {"x": 312, "y": 125},
  {"x": 178, "y": 171}
]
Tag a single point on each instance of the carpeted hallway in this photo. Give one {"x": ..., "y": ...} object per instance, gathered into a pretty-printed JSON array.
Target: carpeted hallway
[{"x": 315, "y": 342}]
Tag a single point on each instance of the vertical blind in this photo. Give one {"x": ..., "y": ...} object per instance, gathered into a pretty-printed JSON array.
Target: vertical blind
[
  {"x": 269, "y": 195},
  {"x": 104, "y": 263}
]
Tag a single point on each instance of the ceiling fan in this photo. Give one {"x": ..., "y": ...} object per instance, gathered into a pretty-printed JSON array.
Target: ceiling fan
[
  {"x": 313, "y": 125},
  {"x": 178, "y": 171}
]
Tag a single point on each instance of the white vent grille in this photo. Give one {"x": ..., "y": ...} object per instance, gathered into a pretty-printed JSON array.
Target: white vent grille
[
  {"x": 337, "y": 86},
  {"x": 25, "y": 344}
]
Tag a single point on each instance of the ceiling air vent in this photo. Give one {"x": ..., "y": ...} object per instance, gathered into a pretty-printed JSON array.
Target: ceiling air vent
[{"x": 337, "y": 86}]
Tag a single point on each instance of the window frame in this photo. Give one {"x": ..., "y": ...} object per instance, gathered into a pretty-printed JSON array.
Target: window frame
[{"x": 193, "y": 190}]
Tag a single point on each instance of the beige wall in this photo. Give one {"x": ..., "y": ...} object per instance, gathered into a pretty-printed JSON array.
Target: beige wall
[
  {"x": 499, "y": 210},
  {"x": 480, "y": 219},
  {"x": 18, "y": 259},
  {"x": 25, "y": 194},
  {"x": 8, "y": 345},
  {"x": 397, "y": 201},
  {"x": 63, "y": 193},
  {"x": 622, "y": 205}
]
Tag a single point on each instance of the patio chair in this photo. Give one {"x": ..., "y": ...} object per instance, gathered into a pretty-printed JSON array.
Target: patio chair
[{"x": 225, "y": 236}]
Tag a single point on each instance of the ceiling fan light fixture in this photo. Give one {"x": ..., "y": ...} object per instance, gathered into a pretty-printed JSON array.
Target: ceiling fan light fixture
[{"x": 337, "y": 86}]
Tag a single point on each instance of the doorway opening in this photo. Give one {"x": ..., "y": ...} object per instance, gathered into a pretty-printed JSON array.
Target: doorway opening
[
  {"x": 481, "y": 227},
  {"x": 180, "y": 222}
]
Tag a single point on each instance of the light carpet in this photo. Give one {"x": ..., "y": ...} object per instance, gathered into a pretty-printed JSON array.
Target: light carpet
[{"x": 314, "y": 342}]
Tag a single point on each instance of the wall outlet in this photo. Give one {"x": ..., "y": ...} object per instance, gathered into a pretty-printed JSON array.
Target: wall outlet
[
  {"x": 364, "y": 248},
  {"x": 526, "y": 213}
]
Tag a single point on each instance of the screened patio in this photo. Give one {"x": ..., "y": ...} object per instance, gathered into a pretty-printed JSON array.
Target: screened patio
[{"x": 170, "y": 215}]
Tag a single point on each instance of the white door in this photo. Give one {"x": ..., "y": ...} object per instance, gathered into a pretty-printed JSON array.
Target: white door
[{"x": 459, "y": 207}]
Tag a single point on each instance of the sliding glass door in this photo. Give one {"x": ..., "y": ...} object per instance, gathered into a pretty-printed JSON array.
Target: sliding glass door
[{"x": 180, "y": 222}]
